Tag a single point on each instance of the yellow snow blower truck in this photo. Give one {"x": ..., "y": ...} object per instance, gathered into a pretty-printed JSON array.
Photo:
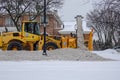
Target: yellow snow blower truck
[{"x": 29, "y": 38}]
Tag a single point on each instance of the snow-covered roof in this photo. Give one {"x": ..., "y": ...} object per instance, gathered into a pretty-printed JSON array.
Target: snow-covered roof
[{"x": 69, "y": 27}]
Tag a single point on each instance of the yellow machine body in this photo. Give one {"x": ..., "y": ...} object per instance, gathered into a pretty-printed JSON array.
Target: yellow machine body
[{"x": 29, "y": 38}]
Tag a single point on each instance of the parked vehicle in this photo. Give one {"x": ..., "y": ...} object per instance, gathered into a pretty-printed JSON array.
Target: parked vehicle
[{"x": 29, "y": 38}]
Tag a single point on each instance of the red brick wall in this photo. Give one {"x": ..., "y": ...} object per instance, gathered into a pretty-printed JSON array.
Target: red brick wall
[
  {"x": 2, "y": 21},
  {"x": 51, "y": 26}
]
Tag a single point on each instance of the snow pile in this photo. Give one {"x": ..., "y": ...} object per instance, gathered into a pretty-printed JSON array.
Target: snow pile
[
  {"x": 67, "y": 54},
  {"x": 109, "y": 53}
]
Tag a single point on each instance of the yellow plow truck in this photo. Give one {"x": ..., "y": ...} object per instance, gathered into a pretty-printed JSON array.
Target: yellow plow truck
[{"x": 29, "y": 38}]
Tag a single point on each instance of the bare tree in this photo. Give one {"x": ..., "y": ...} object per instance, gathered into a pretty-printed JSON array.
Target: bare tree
[
  {"x": 37, "y": 7},
  {"x": 106, "y": 21},
  {"x": 16, "y": 8}
]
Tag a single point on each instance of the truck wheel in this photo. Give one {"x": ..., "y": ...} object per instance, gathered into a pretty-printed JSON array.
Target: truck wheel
[
  {"x": 14, "y": 45},
  {"x": 51, "y": 46}
]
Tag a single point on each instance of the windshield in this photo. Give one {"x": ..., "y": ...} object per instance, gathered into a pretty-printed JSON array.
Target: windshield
[{"x": 32, "y": 27}]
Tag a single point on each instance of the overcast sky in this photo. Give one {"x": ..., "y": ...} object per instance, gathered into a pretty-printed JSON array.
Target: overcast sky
[{"x": 71, "y": 8}]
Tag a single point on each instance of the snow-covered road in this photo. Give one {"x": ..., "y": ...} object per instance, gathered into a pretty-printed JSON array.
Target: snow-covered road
[{"x": 60, "y": 70}]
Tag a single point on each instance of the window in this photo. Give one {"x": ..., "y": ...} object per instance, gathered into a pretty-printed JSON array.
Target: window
[
  {"x": 9, "y": 22},
  {"x": 42, "y": 19},
  {"x": 32, "y": 27}
]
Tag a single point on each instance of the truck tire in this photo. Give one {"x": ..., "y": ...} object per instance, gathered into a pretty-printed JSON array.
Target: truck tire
[
  {"x": 51, "y": 46},
  {"x": 14, "y": 45}
]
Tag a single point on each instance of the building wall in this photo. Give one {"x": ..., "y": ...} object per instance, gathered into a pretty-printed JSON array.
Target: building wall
[
  {"x": 2, "y": 20},
  {"x": 51, "y": 26}
]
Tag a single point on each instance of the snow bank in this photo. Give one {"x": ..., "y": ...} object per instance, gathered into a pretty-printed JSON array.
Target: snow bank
[
  {"x": 67, "y": 54},
  {"x": 109, "y": 53}
]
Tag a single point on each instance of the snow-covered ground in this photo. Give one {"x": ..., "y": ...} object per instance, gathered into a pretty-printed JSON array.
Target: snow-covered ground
[
  {"x": 63, "y": 70},
  {"x": 109, "y": 53}
]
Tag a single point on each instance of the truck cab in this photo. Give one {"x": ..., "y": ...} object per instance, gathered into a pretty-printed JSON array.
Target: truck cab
[
  {"x": 30, "y": 31},
  {"x": 31, "y": 27}
]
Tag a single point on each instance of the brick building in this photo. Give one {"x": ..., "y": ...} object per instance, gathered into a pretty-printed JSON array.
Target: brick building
[{"x": 53, "y": 26}]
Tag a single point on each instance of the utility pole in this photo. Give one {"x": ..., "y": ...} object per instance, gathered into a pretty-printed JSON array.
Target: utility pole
[{"x": 44, "y": 48}]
